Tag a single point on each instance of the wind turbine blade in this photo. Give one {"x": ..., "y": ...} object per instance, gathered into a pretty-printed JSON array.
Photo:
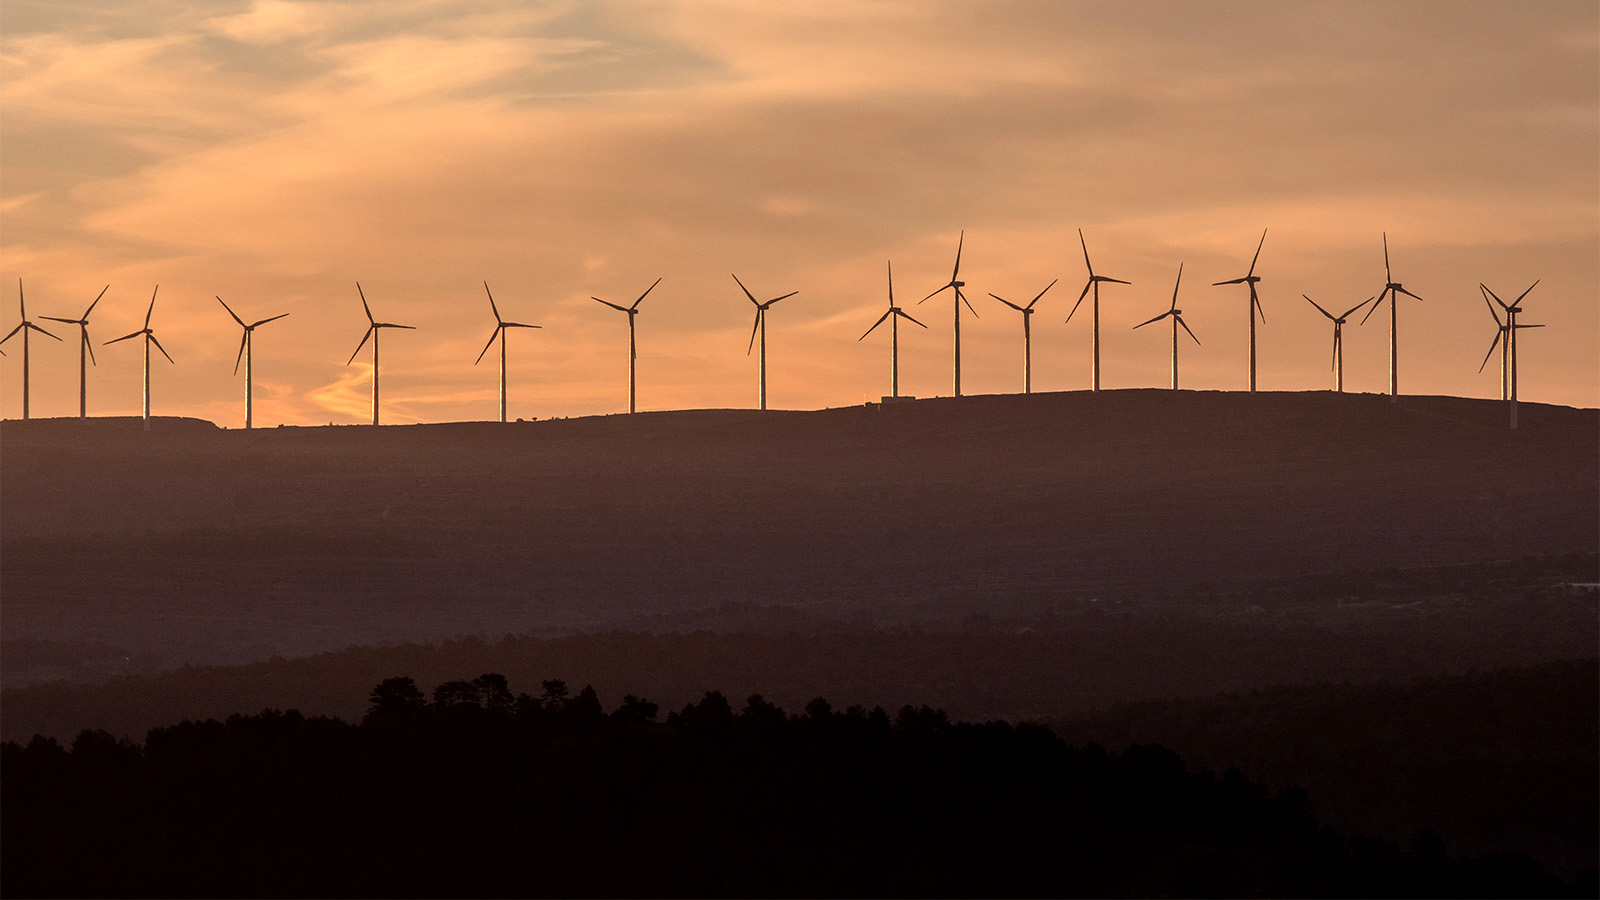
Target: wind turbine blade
[
  {"x": 364, "y": 305},
  {"x": 59, "y": 319},
  {"x": 112, "y": 341},
  {"x": 963, "y": 298},
  {"x": 240, "y": 357},
  {"x": 874, "y": 326},
  {"x": 108, "y": 287},
  {"x": 891, "y": 282},
  {"x": 19, "y": 328},
  {"x": 41, "y": 330},
  {"x": 152, "y": 306},
  {"x": 363, "y": 343},
  {"x": 492, "y": 308},
  {"x": 933, "y": 295},
  {"x": 1375, "y": 306},
  {"x": 1006, "y": 302},
  {"x": 645, "y": 294},
  {"x": 1386, "y": 276},
  {"x": 745, "y": 289},
  {"x": 1256, "y": 301},
  {"x": 1491, "y": 308},
  {"x": 1333, "y": 358},
  {"x": 784, "y": 297},
  {"x": 905, "y": 315},
  {"x": 1085, "y": 293},
  {"x": 1258, "y": 253},
  {"x": 1230, "y": 281},
  {"x": 959, "y": 242},
  {"x": 1492, "y": 346},
  {"x": 163, "y": 350},
  {"x": 1041, "y": 293},
  {"x": 518, "y": 325},
  {"x": 1175, "y": 286},
  {"x": 610, "y": 304},
  {"x": 89, "y": 346},
  {"x": 1520, "y": 325},
  {"x": 230, "y": 311},
  {"x": 1156, "y": 319},
  {"x": 1352, "y": 309},
  {"x": 1525, "y": 293},
  {"x": 265, "y": 321},
  {"x": 1114, "y": 280},
  {"x": 753, "y": 329},
  {"x": 22, "y": 303},
  {"x": 1086, "y": 262},
  {"x": 498, "y": 330},
  {"x": 1186, "y": 327},
  {"x": 1414, "y": 296},
  {"x": 1495, "y": 296},
  {"x": 392, "y": 325},
  {"x": 1323, "y": 311}
]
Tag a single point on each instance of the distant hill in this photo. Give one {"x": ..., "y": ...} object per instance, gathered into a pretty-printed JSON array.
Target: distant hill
[{"x": 191, "y": 543}]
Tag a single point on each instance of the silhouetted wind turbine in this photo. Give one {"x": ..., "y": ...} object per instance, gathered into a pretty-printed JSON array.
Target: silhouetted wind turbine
[
  {"x": 25, "y": 326},
  {"x": 500, "y": 326},
  {"x": 1027, "y": 335},
  {"x": 894, "y": 314},
  {"x": 633, "y": 348},
  {"x": 149, "y": 338},
  {"x": 1508, "y": 359},
  {"x": 85, "y": 352},
  {"x": 1177, "y": 319},
  {"x": 1338, "y": 338},
  {"x": 1251, "y": 278},
  {"x": 244, "y": 354},
  {"x": 372, "y": 332},
  {"x": 1094, "y": 282},
  {"x": 961, "y": 298},
  {"x": 761, "y": 326},
  {"x": 1393, "y": 289}
]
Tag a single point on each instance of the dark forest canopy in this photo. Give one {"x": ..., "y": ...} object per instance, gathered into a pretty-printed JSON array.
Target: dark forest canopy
[{"x": 486, "y": 792}]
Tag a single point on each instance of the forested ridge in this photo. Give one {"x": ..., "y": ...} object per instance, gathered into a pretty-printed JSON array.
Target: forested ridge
[{"x": 486, "y": 792}]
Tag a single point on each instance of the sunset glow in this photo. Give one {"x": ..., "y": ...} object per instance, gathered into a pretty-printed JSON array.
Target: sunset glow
[{"x": 274, "y": 153}]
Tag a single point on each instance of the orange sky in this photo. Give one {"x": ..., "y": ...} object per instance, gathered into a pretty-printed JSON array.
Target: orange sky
[{"x": 274, "y": 153}]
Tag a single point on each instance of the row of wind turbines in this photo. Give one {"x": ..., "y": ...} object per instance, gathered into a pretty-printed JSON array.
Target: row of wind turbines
[{"x": 1505, "y": 336}]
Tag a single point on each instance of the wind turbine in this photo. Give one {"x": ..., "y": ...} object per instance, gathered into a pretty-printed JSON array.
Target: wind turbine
[
  {"x": 1094, "y": 282},
  {"x": 1338, "y": 338},
  {"x": 1027, "y": 335},
  {"x": 1393, "y": 289},
  {"x": 25, "y": 326},
  {"x": 961, "y": 298},
  {"x": 372, "y": 332},
  {"x": 244, "y": 354},
  {"x": 761, "y": 326},
  {"x": 85, "y": 352},
  {"x": 633, "y": 348},
  {"x": 894, "y": 314},
  {"x": 500, "y": 326},
  {"x": 1508, "y": 358},
  {"x": 1177, "y": 319},
  {"x": 1251, "y": 278},
  {"x": 149, "y": 338}
]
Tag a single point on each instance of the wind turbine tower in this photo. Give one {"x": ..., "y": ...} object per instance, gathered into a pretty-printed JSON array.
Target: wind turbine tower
[
  {"x": 149, "y": 338},
  {"x": 1027, "y": 335},
  {"x": 633, "y": 347},
  {"x": 894, "y": 314},
  {"x": 1093, "y": 283},
  {"x": 25, "y": 326},
  {"x": 1177, "y": 319},
  {"x": 85, "y": 352},
  {"x": 373, "y": 327},
  {"x": 761, "y": 326},
  {"x": 1251, "y": 278},
  {"x": 1338, "y": 338},
  {"x": 1393, "y": 289},
  {"x": 244, "y": 354},
  {"x": 500, "y": 326},
  {"x": 955, "y": 284},
  {"x": 1508, "y": 359}
]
